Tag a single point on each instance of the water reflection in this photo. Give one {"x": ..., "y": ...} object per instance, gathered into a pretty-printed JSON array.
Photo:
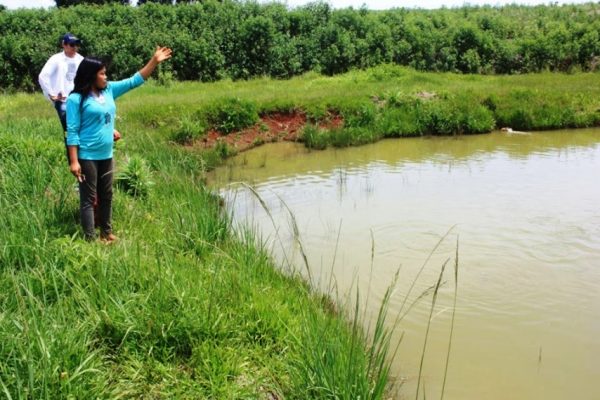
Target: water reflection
[
  {"x": 264, "y": 163},
  {"x": 526, "y": 211}
]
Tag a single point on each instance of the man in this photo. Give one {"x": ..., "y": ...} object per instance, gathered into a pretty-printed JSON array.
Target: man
[{"x": 58, "y": 75}]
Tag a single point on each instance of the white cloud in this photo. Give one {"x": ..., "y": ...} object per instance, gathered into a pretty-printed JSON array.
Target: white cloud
[{"x": 12, "y": 4}]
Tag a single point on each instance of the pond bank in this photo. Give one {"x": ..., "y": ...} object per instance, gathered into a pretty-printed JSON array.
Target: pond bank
[{"x": 366, "y": 106}]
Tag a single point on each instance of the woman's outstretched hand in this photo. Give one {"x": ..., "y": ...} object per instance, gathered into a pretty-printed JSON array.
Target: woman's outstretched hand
[{"x": 161, "y": 54}]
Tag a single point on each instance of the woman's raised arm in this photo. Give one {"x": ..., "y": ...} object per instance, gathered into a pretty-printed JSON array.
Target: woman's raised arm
[{"x": 161, "y": 54}]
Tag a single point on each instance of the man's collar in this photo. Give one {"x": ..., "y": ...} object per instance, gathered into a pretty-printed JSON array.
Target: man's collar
[{"x": 66, "y": 56}]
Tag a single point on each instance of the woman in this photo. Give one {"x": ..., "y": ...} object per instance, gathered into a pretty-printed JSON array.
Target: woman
[{"x": 90, "y": 124}]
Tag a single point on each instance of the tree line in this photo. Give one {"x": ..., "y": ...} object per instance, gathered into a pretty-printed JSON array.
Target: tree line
[
  {"x": 243, "y": 39},
  {"x": 69, "y": 3}
]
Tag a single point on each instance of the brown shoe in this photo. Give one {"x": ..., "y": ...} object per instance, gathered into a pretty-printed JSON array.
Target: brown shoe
[{"x": 108, "y": 238}]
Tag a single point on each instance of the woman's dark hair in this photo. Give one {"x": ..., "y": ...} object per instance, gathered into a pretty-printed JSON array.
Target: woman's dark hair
[{"x": 86, "y": 76}]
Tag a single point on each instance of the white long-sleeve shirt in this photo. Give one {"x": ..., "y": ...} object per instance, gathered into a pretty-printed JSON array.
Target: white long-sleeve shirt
[{"x": 58, "y": 75}]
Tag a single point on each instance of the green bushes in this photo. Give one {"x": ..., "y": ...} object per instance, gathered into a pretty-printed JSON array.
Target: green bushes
[
  {"x": 529, "y": 110},
  {"x": 230, "y": 114},
  {"x": 319, "y": 139},
  {"x": 455, "y": 115},
  {"x": 477, "y": 120},
  {"x": 218, "y": 39},
  {"x": 397, "y": 122},
  {"x": 358, "y": 114},
  {"x": 225, "y": 116},
  {"x": 403, "y": 115},
  {"x": 188, "y": 131},
  {"x": 316, "y": 112},
  {"x": 315, "y": 138},
  {"x": 256, "y": 40},
  {"x": 449, "y": 115}
]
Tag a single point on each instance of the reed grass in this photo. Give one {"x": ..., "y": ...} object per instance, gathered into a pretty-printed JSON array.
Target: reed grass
[
  {"x": 451, "y": 335},
  {"x": 329, "y": 380},
  {"x": 433, "y": 301}
]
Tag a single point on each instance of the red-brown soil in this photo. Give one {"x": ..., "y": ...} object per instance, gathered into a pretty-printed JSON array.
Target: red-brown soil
[{"x": 271, "y": 128}]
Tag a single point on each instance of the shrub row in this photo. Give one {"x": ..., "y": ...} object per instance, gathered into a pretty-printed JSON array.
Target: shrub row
[
  {"x": 398, "y": 115},
  {"x": 238, "y": 39},
  {"x": 401, "y": 115}
]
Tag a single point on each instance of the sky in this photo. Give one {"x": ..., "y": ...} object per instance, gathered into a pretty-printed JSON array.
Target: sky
[{"x": 371, "y": 4}]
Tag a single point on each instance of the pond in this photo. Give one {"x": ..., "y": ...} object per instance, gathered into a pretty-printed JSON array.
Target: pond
[{"x": 523, "y": 211}]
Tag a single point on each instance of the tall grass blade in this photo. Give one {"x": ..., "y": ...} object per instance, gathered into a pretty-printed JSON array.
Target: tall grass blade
[
  {"x": 452, "y": 321},
  {"x": 337, "y": 243},
  {"x": 423, "y": 266},
  {"x": 370, "y": 274},
  {"x": 298, "y": 239},
  {"x": 5, "y": 389},
  {"x": 433, "y": 301},
  {"x": 265, "y": 207}
]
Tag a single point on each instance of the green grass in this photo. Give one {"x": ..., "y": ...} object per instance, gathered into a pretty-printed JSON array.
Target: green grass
[{"x": 183, "y": 306}]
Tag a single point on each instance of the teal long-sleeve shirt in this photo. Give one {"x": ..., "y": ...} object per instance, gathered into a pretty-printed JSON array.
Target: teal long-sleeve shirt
[{"x": 91, "y": 126}]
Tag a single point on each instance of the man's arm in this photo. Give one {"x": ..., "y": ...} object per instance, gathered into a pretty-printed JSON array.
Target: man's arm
[{"x": 44, "y": 79}]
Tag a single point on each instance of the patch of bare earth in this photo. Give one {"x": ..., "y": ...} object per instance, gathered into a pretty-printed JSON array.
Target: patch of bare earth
[{"x": 271, "y": 128}]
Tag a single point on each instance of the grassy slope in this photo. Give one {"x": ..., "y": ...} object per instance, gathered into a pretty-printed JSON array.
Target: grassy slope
[
  {"x": 178, "y": 309},
  {"x": 181, "y": 307}
]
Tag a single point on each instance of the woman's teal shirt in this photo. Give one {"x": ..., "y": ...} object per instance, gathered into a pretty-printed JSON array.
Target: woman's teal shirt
[{"x": 91, "y": 126}]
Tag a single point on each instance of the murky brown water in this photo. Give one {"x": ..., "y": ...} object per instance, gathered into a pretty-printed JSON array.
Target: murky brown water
[{"x": 526, "y": 212}]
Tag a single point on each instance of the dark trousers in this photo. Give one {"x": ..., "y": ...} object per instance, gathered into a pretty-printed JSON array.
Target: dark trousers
[
  {"x": 97, "y": 181},
  {"x": 61, "y": 110}
]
